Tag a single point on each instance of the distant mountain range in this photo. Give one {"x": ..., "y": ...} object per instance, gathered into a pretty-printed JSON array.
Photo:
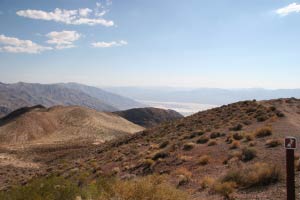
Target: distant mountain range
[
  {"x": 14, "y": 96},
  {"x": 213, "y": 96}
]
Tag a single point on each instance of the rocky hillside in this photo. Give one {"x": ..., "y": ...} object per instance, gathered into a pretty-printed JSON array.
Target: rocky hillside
[
  {"x": 232, "y": 152},
  {"x": 149, "y": 117},
  {"x": 61, "y": 124}
]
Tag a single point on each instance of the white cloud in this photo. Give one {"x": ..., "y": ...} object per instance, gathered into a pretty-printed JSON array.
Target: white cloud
[
  {"x": 109, "y": 44},
  {"x": 291, "y": 8},
  {"x": 15, "y": 45},
  {"x": 75, "y": 17},
  {"x": 84, "y": 12},
  {"x": 63, "y": 39}
]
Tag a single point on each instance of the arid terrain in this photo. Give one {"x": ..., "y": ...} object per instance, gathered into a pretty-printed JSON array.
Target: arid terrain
[{"x": 233, "y": 151}]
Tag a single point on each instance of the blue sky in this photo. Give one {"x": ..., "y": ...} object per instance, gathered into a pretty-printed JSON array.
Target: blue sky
[{"x": 191, "y": 43}]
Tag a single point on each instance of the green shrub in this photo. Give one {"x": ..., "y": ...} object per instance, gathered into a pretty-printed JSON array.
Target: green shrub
[{"x": 53, "y": 188}]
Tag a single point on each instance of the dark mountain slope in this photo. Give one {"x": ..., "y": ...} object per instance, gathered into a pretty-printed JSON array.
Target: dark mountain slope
[
  {"x": 149, "y": 117},
  {"x": 14, "y": 96},
  {"x": 117, "y": 101}
]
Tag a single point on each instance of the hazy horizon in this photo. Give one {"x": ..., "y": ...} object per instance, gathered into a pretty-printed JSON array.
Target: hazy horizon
[{"x": 224, "y": 44}]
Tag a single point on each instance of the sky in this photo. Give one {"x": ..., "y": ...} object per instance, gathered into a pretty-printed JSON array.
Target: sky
[{"x": 191, "y": 43}]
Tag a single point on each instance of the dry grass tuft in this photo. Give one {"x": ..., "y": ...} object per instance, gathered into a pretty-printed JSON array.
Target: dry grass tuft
[
  {"x": 235, "y": 145},
  {"x": 273, "y": 143},
  {"x": 188, "y": 146},
  {"x": 263, "y": 132},
  {"x": 204, "y": 160},
  {"x": 258, "y": 174}
]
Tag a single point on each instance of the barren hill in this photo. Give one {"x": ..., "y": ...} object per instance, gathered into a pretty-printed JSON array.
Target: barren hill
[
  {"x": 62, "y": 124},
  {"x": 230, "y": 151},
  {"x": 149, "y": 117}
]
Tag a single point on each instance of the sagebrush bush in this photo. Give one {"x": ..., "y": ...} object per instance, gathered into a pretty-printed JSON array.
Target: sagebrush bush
[
  {"x": 249, "y": 137},
  {"x": 225, "y": 189},
  {"x": 164, "y": 144},
  {"x": 184, "y": 176},
  {"x": 188, "y": 146},
  {"x": 248, "y": 154},
  {"x": 238, "y": 136},
  {"x": 207, "y": 182},
  {"x": 263, "y": 132},
  {"x": 237, "y": 127},
  {"x": 160, "y": 154},
  {"x": 273, "y": 143},
  {"x": 215, "y": 135},
  {"x": 258, "y": 174},
  {"x": 147, "y": 188},
  {"x": 202, "y": 140},
  {"x": 235, "y": 145},
  {"x": 203, "y": 160},
  {"x": 45, "y": 188}
]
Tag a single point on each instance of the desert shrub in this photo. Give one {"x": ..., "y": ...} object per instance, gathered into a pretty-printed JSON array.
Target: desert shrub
[
  {"x": 248, "y": 154},
  {"x": 215, "y": 135},
  {"x": 160, "y": 154},
  {"x": 148, "y": 163},
  {"x": 212, "y": 143},
  {"x": 279, "y": 114},
  {"x": 184, "y": 176},
  {"x": 147, "y": 188},
  {"x": 188, "y": 146},
  {"x": 55, "y": 188},
  {"x": 263, "y": 132},
  {"x": 258, "y": 174},
  {"x": 202, "y": 140},
  {"x": 44, "y": 188},
  {"x": 249, "y": 137},
  {"x": 238, "y": 127},
  {"x": 207, "y": 182},
  {"x": 164, "y": 144},
  {"x": 225, "y": 189},
  {"x": 203, "y": 160},
  {"x": 252, "y": 144},
  {"x": 235, "y": 145},
  {"x": 261, "y": 118},
  {"x": 229, "y": 139},
  {"x": 273, "y": 143},
  {"x": 195, "y": 134},
  {"x": 237, "y": 136}
]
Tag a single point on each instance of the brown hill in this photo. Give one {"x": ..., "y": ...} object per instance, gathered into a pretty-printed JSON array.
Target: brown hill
[
  {"x": 60, "y": 124},
  {"x": 240, "y": 142},
  {"x": 149, "y": 117}
]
